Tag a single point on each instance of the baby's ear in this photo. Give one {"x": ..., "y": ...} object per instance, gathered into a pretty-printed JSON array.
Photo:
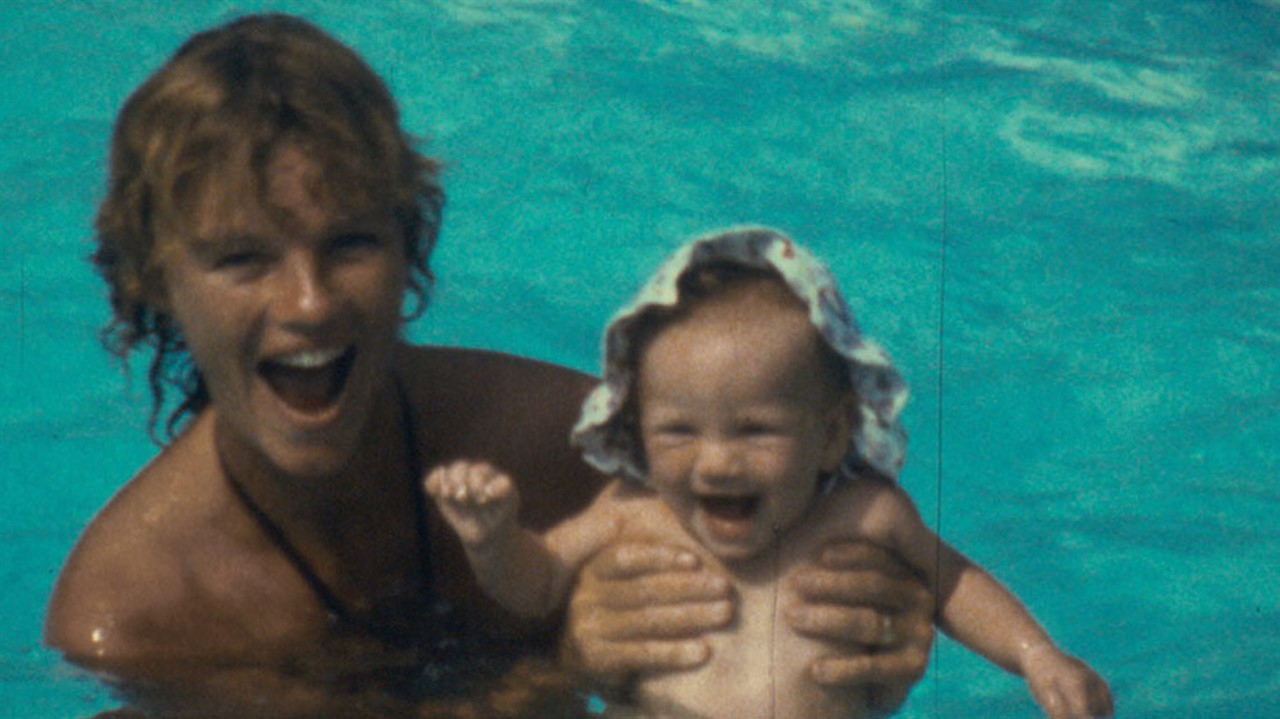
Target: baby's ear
[{"x": 840, "y": 422}]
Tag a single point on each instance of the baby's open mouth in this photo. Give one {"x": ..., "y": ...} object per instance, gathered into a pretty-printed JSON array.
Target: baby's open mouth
[
  {"x": 310, "y": 381},
  {"x": 730, "y": 508},
  {"x": 729, "y": 517}
]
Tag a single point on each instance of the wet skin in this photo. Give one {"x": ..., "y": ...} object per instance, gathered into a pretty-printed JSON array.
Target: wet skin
[{"x": 292, "y": 312}]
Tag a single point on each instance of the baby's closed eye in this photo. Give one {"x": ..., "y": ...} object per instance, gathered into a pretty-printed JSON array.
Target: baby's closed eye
[{"x": 669, "y": 433}]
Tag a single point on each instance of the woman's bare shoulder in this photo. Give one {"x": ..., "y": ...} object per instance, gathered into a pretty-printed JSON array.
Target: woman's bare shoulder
[
  {"x": 462, "y": 367},
  {"x": 513, "y": 412},
  {"x": 129, "y": 569},
  {"x": 477, "y": 404}
]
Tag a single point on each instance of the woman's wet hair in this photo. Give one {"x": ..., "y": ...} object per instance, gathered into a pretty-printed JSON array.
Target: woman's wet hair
[{"x": 220, "y": 108}]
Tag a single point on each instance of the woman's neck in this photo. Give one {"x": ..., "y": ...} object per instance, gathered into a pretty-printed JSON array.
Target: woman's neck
[
  {"x": 357, "y": 536},
  {"x": 369, "y": 488}
]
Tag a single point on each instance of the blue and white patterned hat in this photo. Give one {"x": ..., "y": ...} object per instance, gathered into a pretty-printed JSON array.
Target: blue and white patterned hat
[{"x": 878, "y": 440}]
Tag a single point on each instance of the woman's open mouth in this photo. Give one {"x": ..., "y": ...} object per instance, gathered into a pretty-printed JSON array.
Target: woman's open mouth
[{"x": 309, "y": 382}]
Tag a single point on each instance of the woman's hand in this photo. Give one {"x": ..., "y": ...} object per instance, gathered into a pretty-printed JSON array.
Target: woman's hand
[
  {"x": 642, "y": 607},
  {"x": 864, "y": 597}
]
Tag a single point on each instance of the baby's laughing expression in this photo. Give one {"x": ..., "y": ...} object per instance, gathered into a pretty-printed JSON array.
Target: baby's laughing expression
[{"x": 737, "y": 419}]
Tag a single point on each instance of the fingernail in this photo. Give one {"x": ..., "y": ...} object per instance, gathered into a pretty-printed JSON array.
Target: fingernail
[
  {"x": 693, "y": 653},
  {"x": 722, "y": 612}
]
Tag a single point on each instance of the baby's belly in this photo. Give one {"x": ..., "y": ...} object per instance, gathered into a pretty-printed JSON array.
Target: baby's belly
[{"x": 758, "y": 669}]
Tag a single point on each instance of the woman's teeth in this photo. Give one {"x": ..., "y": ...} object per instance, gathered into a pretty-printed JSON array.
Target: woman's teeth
[{"x": 309, "y": 359}]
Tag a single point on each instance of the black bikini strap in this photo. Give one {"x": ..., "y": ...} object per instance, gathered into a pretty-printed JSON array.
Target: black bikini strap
[
  {"x": 331, "y": 603},
  {"x": 414, "y": 461}
]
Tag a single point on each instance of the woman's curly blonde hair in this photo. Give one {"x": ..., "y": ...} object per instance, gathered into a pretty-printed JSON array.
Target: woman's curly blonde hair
[{"x": 239, "y": 91}]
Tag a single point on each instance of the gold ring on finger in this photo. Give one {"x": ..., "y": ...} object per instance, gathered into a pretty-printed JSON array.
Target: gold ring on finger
[{"x": 888, "y": 633}]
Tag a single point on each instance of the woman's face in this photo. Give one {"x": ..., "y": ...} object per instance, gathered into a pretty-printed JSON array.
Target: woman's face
[{"x": 291, "y": 311}]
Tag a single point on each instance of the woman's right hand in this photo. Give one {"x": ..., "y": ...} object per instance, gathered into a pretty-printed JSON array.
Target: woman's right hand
[{"x": 640, "y": 608}]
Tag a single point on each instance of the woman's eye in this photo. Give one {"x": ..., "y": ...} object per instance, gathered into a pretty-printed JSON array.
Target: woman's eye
[
  {"x": 355, "y": 242},
  {"x": 239, "y": 260}
]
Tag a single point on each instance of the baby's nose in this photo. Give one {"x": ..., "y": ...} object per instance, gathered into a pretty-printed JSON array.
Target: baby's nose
[{"x": 718, "y": 459}]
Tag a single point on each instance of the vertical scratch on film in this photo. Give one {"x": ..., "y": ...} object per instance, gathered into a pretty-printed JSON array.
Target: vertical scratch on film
[
  {"x": 773, "y": 625},
  {"x": 22, "y": 320},
  {"x": 942, "y": 334}
]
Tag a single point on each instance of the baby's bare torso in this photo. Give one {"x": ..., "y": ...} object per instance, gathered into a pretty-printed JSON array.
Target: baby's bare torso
[{"x": 759, "y": 666}]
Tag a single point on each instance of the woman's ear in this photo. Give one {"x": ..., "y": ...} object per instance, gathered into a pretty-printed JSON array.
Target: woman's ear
[
  {"x": 151, "y": 283},
  {"x": 150, "y": 274},
  {"x": 839, "y": 425},
  {"x": 155, "y": 293}
]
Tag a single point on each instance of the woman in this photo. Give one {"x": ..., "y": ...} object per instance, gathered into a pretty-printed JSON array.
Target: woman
[{"x": 265, "y": 216}]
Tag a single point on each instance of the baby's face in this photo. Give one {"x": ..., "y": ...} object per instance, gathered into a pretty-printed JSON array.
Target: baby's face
[{"x": 737, "y": 419}]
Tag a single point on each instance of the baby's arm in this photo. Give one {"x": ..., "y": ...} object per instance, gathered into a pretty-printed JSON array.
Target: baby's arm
[
  {"x": 511, "y": 563},
  {"x": 984, "y": 616},
  {"x": 981, "y": 614},
  {"x": 525, "y": 572}
]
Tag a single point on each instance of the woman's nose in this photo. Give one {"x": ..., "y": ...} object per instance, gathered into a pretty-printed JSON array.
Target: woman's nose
[{"x": 305, "y": 296}]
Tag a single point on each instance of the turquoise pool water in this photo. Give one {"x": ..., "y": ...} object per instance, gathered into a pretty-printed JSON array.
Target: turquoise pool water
[{"x": 1096, "y": 369}]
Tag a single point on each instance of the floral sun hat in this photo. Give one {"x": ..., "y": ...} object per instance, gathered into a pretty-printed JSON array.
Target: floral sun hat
[{"x": 878, "y": 441}]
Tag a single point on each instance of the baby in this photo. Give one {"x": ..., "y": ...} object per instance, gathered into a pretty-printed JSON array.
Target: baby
[{"x": 750, "y": 422}]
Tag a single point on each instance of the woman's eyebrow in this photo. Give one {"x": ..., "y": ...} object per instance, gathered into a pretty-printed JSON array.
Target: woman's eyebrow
[
  {"x": 362, "y": 218},
  {"x": 208, "y": 244}
]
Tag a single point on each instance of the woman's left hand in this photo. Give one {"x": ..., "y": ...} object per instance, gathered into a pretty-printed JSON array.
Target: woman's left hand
[{"x": 865, "y": 597}]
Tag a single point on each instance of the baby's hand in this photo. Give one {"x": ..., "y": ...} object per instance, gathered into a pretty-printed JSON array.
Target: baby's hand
[
  {"x": 476, "y": 499},
  {"x": 1066, "y": 687}
]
